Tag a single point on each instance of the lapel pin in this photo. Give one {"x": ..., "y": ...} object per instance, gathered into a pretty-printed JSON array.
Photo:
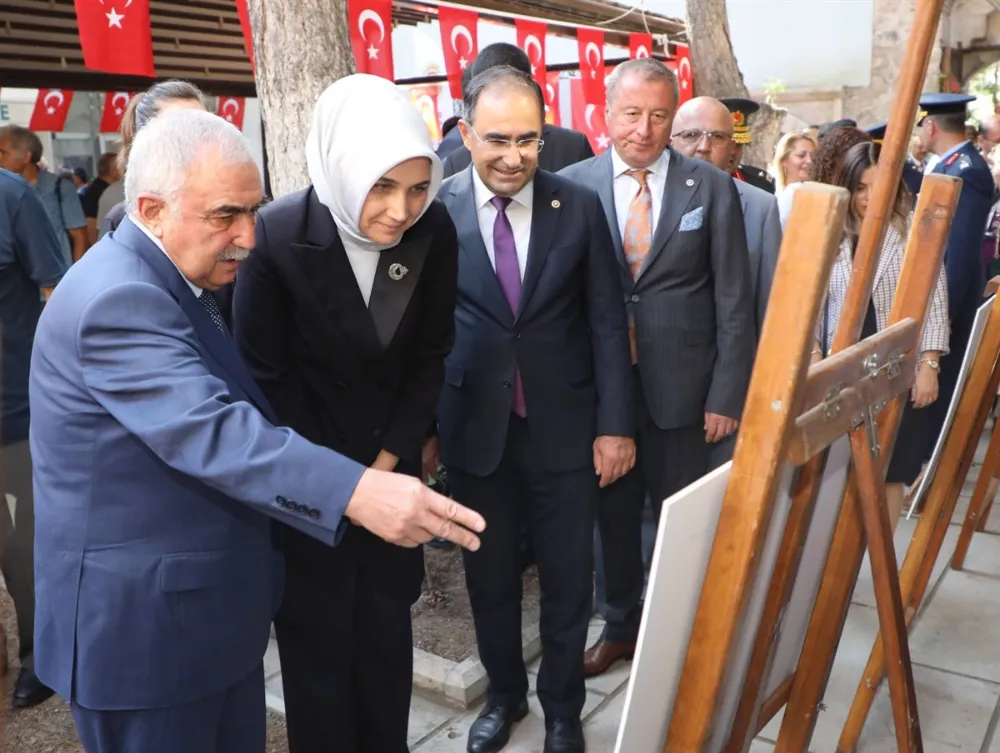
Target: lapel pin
[
  {"x": 556, "y": 204},
  {"x": 397, "y": 271},
  {"x": 690, "y": 181}
]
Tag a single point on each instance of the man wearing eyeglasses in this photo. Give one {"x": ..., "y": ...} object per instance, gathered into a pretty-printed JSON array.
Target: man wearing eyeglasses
[
  {"x": 681, "y": 252},
  {"x": 536, "y": 409}
]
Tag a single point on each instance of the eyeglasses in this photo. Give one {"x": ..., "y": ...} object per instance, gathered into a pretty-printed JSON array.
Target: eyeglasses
[
  {"x": 694, "y": 135},
  {"x": 524, "y": 146}
]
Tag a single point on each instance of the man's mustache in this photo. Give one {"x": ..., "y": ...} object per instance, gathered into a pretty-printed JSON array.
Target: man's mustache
[{"x": 234, "y": 253}]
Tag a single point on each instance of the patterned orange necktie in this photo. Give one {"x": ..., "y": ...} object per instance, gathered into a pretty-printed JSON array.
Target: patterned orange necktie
[{"x": 638, "y": 238}]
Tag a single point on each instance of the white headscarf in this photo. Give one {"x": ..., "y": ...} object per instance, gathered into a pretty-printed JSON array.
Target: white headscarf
[{"x": 363, "y": 126}]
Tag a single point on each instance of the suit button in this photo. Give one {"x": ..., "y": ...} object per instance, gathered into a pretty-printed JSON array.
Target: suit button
[
  {"x": 314, "y": 514},
  {"x": 635, "y": 299},
  {"x": 506, "y": 383}
]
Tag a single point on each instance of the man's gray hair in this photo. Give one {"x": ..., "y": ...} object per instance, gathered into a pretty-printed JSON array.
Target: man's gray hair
[
  {"x": 649, "y": 68},
  {"x": 163, "y": 152}
]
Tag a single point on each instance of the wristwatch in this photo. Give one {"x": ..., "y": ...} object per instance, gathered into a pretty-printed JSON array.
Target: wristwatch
[{"x": 932, "y": 363}]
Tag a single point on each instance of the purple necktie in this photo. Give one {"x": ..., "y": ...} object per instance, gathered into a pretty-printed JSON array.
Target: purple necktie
[{"x": 509, "y": 275}]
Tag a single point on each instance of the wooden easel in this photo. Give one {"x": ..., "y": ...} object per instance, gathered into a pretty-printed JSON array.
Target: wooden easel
[
  {"x": 764, "y": 441},
  {"x": 976, "y": 517}
]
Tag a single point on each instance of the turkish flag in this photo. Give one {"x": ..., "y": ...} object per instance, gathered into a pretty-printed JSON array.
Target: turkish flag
[
  {"x": 588, "y": 118},
  {"x": 531, "y": 39},
  {"x": 114, "y": 107},
  {"x": 640, "y": 46},
  {"x": 231, "y": 109},
  {"x": 371, "y": 36},
  {"x": 591, "y": 44},
  {"x": 113, "y": 40},
  {"x": 51, "y": 109},
  {"x": 551, "y": 90},
  {"x": 241, "y": 8},
  {"x": 685, "y": 77},
  {"x": 459, "y": 38}
]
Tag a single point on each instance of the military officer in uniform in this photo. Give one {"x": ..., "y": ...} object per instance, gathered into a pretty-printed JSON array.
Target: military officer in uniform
[
  {"x": 913, "y": 176},
  {"x": 941, "y": 131},
  {"x": 742, "y": 109}
]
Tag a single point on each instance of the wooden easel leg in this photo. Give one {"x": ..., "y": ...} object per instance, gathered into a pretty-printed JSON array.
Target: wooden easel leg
[
  {"x": 986, "y": 474},
  {"x": 915, "y": 574},
  {"x": 888, "y": 601},
  {"x": 984, "y": 516}
]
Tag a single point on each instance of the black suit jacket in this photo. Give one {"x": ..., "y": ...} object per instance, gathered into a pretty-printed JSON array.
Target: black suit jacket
[
  {"x": 562, "y": 147},
  {"x": 353, "y": 378},
  {"x": 692, "y": 302},
  {"x": 569, "y": 337}
]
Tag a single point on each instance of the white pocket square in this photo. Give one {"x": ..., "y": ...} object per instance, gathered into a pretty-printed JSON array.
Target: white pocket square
[{"x": 692, "y": 220}]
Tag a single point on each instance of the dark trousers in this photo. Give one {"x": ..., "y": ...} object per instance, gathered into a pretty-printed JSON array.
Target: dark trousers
[
  {"x": 558, "y": 509},
  {"x": 233, "y": 721},
  {"x": 345, "y": 641},
  {"x": 667, "y": 460},
  {"x": 18, "y": 542}
]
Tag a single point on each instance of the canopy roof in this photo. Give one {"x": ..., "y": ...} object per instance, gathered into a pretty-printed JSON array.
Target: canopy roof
[{"x": 201, "y": 40}]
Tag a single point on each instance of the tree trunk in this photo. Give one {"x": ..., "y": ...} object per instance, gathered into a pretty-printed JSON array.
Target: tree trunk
[
  {"x": 300, "y": 48},
  {"x": 717, "y": 74}
]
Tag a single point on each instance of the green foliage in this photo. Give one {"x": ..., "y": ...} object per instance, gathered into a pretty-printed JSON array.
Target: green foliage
[{"x": 772, "y": 88}]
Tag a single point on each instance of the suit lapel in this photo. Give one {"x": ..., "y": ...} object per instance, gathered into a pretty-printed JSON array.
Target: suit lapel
[
  {"x": 396, "y": 279},
  {"x": 218, "y": 344},
  {"x": 331, "y": 283},
  {"x": 682, "y": 185},
  {"x": 545, "y": 212},
  {"x": 462, "y": 207},
  {"x": 605, "y": 182}
]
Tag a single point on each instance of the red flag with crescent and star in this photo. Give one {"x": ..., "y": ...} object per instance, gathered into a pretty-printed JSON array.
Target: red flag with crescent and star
[
  {"x": 51, "y": 109},
  {"x": 116, "y": 37},
  {"x": 551, "y": 90},
  {"x": 685, "y": 76},
  {"x": 231, "y": 109},
  {"x": 591, "y": 44},
  {"x": 114, "y": 108},
  {"x": 640, "y": 46},
  {"x": 371, "y": 36},
  {"x": 531, "y": 39},
  {"x": 588, "y": 118},
  {"x": 459, "y": 38}
]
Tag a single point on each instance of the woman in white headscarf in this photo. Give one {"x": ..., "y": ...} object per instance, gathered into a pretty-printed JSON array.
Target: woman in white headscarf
[{"x": 344, "y": 313}]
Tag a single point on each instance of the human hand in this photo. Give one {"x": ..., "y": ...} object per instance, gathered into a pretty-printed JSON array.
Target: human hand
[
  {"x": 404, "y": 511},
  {"x": 718, "y": 427},
  {"x": 429, "y": 458},
  {"x": 613, "y": 458},
  {"x": 385, "y": 461},
  {"x": 925, "y": 387}
]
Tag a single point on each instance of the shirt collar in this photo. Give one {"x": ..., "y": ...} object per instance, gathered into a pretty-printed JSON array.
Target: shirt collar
[
  {"x": 194, "y": 288},
  {"x": 618, "y": 166},
  {"x": 524, "y": 197},
  {"x": 956, "y": 148}
]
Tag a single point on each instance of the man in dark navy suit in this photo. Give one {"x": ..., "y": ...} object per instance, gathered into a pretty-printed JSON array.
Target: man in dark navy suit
[
  {"x": 913, "y": 176},
  {"x": 941, "y": 130},
  {"x": 536, "y": 410}
]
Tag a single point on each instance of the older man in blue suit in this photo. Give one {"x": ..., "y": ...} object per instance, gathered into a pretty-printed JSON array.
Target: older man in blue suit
[{"x": 158, "y": 472}]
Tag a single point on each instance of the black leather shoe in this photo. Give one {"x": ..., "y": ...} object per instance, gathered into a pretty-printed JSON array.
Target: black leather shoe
[
  {"x": 491, "y": 730},
  {"x": 29, "y": 690},
  {"x": 564, "y": 736}
]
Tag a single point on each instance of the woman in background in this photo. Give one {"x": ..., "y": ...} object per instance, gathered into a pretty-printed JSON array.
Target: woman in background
[
  {"x": 344, "y": 313},
  {"x": 793, "y": 160},
  {"x": 857, "y": 175},
  {"x": 140, "y": 110}
]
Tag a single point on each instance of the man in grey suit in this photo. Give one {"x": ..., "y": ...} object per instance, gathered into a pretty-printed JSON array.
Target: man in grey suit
[
  {"x": 706, "y": 129},
  {"x": 158, "y": 468},
  {"x": 681, "y": 249}
]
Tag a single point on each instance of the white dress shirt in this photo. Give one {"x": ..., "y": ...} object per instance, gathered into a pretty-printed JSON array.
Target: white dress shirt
[
  {"x": 364, "y": 264},
  {"x": 194, "y": 288},
  {"x": 626, "y": 187},
  {"x": 518, "y": 213}
]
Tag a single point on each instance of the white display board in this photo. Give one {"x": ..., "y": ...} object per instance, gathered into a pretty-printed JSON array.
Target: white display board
[{"x": 978, "y": 326}]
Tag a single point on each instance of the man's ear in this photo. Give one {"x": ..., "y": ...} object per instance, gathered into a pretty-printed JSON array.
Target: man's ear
[
  {"x": 150, "y": 210},
  {"x": 466, "y": 133}
]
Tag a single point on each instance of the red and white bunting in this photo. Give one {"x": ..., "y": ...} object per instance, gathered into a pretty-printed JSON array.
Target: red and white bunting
[
  {"x": 232, "y": 109},
  {"x": 114, "y": 108},
  {"x": 51, "y": 109},
  {"x": 531, "y": 39},
  {"x": 241, "y": 9},
  {"x": 588, "y": 118},
  {"x": 115, "y": 36},
  {"x": 460, "y": 40},
  {"x": 685, "y": 76},
  {"x": 551, "y": 90},
  {"x": 640, "y": 46},
  {"x": 591, "y": 44}
]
